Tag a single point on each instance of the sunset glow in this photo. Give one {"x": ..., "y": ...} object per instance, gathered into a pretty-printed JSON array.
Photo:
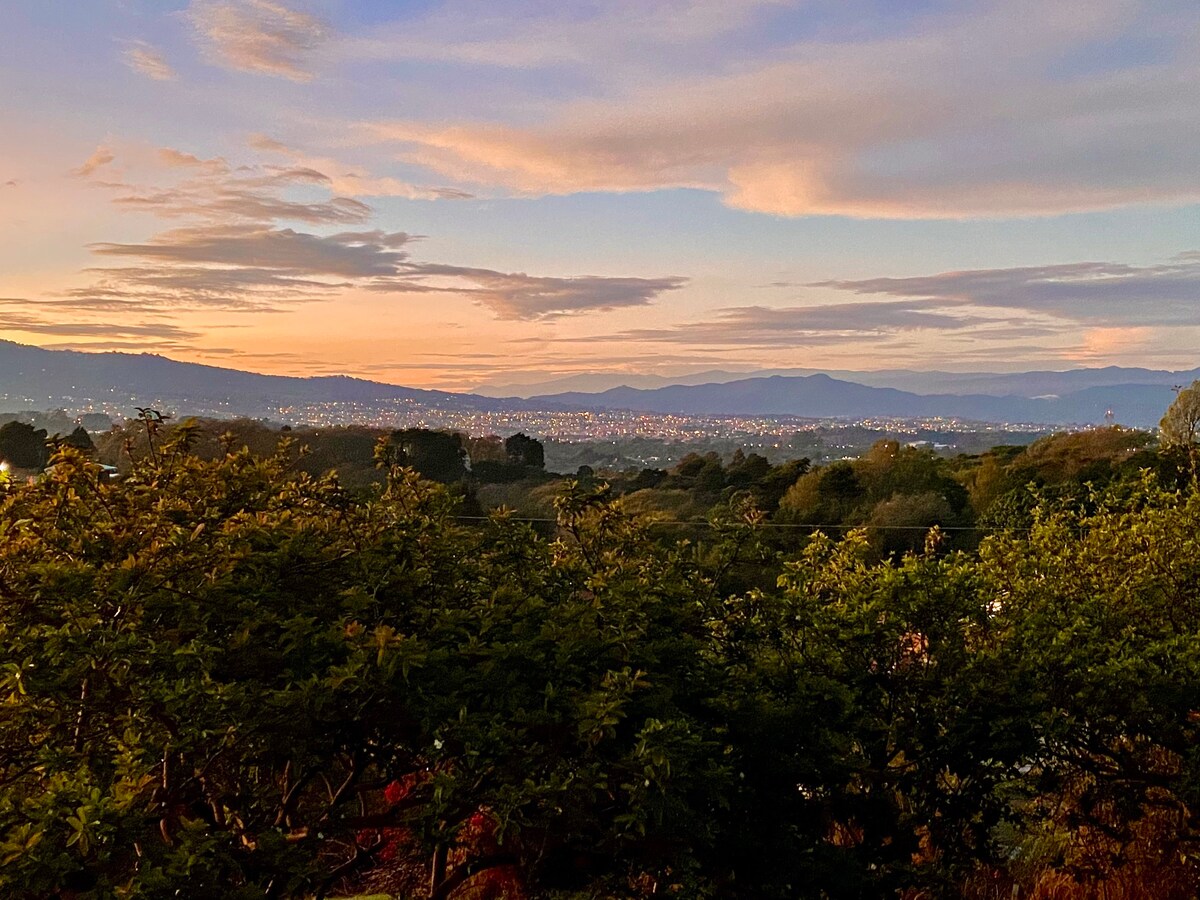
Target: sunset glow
[{"x": 457, "y": 193}]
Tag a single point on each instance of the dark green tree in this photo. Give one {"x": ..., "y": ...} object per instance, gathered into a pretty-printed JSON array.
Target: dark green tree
[
  {"x": 22, "y": 445},
  {"x": 525, "y": 451},
  {"x": 436, "y": 455},
  {"x": 227, "y": 677},
  {"x": 80, "y": 440},
  {"x": 214, "y": 673}
]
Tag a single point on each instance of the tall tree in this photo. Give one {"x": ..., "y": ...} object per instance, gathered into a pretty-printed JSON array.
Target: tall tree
[{"x": 1181, "y": 423}]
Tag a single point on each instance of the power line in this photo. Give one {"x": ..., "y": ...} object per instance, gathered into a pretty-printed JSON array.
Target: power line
[{"x": 704, "y": 523}]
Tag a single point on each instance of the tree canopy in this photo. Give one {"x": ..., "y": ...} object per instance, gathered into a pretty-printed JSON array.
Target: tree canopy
[
  {"x": 229, "y": 677},
  {"x": 22, "y": 445},
  {"x": 1181, "y": 423}
]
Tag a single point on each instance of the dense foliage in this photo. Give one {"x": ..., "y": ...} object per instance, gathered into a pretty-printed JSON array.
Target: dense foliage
[
  {"x": 23, "y": 446},
  {"x": 1181, "y": 423},
  {"x": 224, "y": 676}
]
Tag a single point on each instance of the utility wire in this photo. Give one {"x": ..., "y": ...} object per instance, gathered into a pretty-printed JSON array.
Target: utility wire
[{"x": 704, "y": 523}]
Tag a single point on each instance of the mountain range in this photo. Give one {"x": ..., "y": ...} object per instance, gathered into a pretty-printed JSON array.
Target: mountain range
[
  {"x": 35, "y": 378},
  {"x": 820, "y": 396},
  {"x": 999, "y": 384}
]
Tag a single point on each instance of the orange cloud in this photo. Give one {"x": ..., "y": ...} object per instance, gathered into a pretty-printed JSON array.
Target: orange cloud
[
  {"x": 962, "y": 120},
  {"x": 260, "y": 36},
  {"x": 1102, "y": 344},
  {"x": 355, "y": 181},
  {"x": 98, "y": 160},
  {"x": 146, "y": 60}
]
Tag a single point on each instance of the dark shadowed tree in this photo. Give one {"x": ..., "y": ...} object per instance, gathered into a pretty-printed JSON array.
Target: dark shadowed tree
[
  {"x": 523, "y": 450},
  {"x": 901, "y": 523},
  {"x": 23, "y": 446},
  {"x": 436, "y": 455},
  {"x": 80, "y": 440}
]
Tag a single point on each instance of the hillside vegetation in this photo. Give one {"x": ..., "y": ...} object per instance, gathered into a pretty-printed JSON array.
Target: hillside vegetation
[{"x": 223, "y": 676}]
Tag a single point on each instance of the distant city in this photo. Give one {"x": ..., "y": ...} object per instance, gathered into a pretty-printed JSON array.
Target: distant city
[{"x": 810, "y": 415}]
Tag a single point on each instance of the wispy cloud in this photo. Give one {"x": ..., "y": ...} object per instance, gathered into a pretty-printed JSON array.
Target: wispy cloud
[
  {"x": 793, "y": 326},
  {"x": 100, "y": 158},
  {"x": 234, "y": 254},
  {"x": 158, "y": 345},
  {"x": 977, "y": 115},
  {"x": 237, "y": 268},
  {"x": 259, "y": 36},
  {"x": 36, "y": 324},
  {"x": 1099, "y": 293},
  {"x": 134, "y": 289},
  {"x": 149, "y": 61},
  {"x": 355, "y": 181},
  {"x": 517, "y": 296},
  {"x": 347, "y": 255},
  {"x": 524, "y": 34},
  {"x": 245, "y": 204},
  {"x": 257, "y": 268},
  {"x": 212, "y": 189}
]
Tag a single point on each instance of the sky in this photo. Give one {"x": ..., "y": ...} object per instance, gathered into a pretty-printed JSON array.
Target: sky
[{"x": 456, "y": 193}]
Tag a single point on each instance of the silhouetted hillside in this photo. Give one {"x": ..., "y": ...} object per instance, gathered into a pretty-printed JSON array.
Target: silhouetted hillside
[
  {"x": 35, "y": 378},
  {"x": 819, "y": 396}
]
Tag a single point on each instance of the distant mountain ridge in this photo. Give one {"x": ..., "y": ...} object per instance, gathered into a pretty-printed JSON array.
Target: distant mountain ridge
[
  {"x": 1024, "y": 384},
  {"x": 34, "y": 378},
  {"x": 1038, "y": 383},
  {"x": 820, "y": 396}
]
